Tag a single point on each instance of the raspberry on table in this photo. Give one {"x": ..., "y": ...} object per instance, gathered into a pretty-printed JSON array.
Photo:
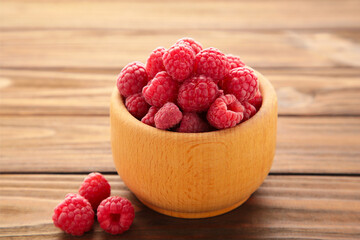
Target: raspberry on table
[
  {"x": 241, "y": 82},
  {"x": 196, "y": 46},
  {"x": 160, "y": 90},
  {"x": 212, "y": 63},
  {"x": 234, "y": 61},
  {"x": 154, "y": 63},
  {"x": 149, "y": 117},
  {"x": 115, "y": 214},
  {"x": 95, "y": 188},
  {"x": 257, "y": 100},
  {"x": 168, "y": 116},
  {"x": 225, "y": 112},
  {"x": 179, "y": 61},
  {"x": 137, "y": 105},
  {"x": 197, "y": 93},
  {"x": 250, "y": 111},
  {"x": 74, "y": 215},
  {"x": 132, "y": 79},
  {"x": 192, "y": 123}
]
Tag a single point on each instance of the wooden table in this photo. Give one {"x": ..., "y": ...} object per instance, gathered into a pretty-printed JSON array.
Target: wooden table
[{"x": 59, "y": 61}]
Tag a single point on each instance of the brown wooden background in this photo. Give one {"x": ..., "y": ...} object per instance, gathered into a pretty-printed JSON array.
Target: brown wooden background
[{"x": 58, "y": 64}]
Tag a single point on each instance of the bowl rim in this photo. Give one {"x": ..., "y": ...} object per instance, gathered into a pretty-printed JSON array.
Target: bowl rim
[{"x": 118, "y": 109}]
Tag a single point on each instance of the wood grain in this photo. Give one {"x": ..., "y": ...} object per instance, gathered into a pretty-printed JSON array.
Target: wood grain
[
  {"x": 111, "y": 48},
  {"x": 308, "y": 91},
  {"x": 161, "y": 15},
  {"x": 297, "y": 207},
  {"x": 77, "y": 144}
]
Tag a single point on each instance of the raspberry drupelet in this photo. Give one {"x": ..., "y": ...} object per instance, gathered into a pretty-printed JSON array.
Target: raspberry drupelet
[
  {"x": 196, "y": 46},
  {"x": 137, "y": 105},
  {"x": 192, "y": 123},
  {"x": 257, "y": 100},
  {"x": 149, "y": 117},
  {"x": 168, "y": 116},
  {"x": 234, "y": 61},
  {"x": 250, "y": 110}
]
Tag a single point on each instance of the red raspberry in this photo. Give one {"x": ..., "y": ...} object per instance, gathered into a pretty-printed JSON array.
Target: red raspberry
[
  {"x": 197, "y": 93},
  {"x": 192, "y": 123},
  {"x": 155, "y": 63},
  {"x": 242, "y": 82},
  {"x": 213, "y": 63},
  {"x": 234, "y": 61},
  {"x": 168, "y": 116},
  {"x": 149, "y": 117},
  {"x": 225, "y": 112},
  {"x": 179, "y": 61},
  {"x": 115, "y": 214},
  {"x": 95, "y": 188},
  {"x": 196, "y": 46},
  {"x": 250, "y": 111},
  {"x": 256, "y": 101},
  {"x": 132, "y": 79},
  {"x": 160, "y": 90},
  {"x": 137, "y": 105},
  {"x": 74, "y": 215}
]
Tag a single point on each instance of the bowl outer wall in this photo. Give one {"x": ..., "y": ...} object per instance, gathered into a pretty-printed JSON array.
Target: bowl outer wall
[{"x": 194, "y": 172}]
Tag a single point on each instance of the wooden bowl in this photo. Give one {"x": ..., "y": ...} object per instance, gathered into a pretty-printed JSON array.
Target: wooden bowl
[{"x": 194, "y": 175}]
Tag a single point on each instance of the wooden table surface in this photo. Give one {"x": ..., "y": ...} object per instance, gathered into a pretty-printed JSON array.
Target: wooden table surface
[{"x": 59, "y": 61}]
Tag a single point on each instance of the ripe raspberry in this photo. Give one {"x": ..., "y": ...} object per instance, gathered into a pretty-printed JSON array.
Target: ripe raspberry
[
  {"x": 196, "y": 46},
  {"x": 225, "y": 112},
  {"x": 168, "y": 116},
  {"x": 115, "y": 214},
  {"x": 192, "y": 123},
  {"x": 160, "y": 90},
  {"x": 74, "y": 215},
  {"x": 250, "y": 111},
  {"x": 137, "y": 105},
  {"x": 242, "y": 82},
  {"x": 132, "y": 79},
  {"x": 95, "y": 188},
  {"x": 197, "y": 93},
  {"x": 234, "y": 61},
  {"x": 256, "y": 101},
  {"x": 212, "y": 63},
  {"x": 179, "y": 61},
  {"x": 149, "y": 117},
  {"x": 155, "y": 63}
]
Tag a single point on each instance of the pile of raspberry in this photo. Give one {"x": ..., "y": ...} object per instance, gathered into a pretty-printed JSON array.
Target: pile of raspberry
[
  {"x": 190, "y": 89},
  {"x": 75, "y": 214}
]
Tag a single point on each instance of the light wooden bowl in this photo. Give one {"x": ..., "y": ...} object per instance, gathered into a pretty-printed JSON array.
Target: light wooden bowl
[{"x": 194, "y": 175}]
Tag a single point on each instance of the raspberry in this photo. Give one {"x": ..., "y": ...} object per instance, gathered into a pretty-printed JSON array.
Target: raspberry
[
  {"x": 192, "y": 123},
  {"x": 213, "y": 63},
  {"x": 256, "y": 101},
  {"x": 197, "y": 93},
  {"x": 234, "y": 61},
  {"x": 196, "y": 46},
  {"x": 137, "y": 105},
  {"x": 115, "y": 214},
  {"x": 250, "y": 111},
  {"x": 132, "y": 79},
  {"x": 179, "y": 61},
  {"x": 168, "y": 116},
  {"x": 160, "y": 90},
  {"x": 225, "y": 112},
  {"x": 155, "y": 63},
  {"x": 242, "y": 82},
  {"x": 149, "y": 117},
  {"x": 95, "y": 188},
  {"x": 74, "y": 215}
]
